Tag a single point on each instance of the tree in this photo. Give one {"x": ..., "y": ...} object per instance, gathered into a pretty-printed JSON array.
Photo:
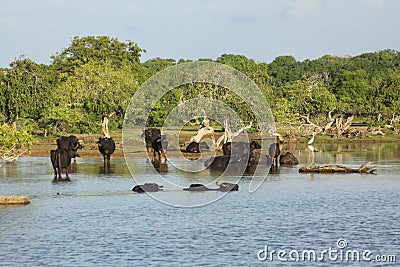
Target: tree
[
  {"x": 14, "y": 142},
  {"x": 285, "y": 69},
  {"x": 25, "y": 90},
  {"x": 101, "y": 48},
  {"x": 352, "y": 90},
  {"x": 94, "y": 89}
]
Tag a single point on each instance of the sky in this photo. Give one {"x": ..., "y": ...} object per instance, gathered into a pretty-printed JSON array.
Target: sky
[{"x": 193, "y": 29}]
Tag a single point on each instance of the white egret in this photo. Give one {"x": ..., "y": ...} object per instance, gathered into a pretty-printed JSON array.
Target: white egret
[
  {"x": 312, "y": 139},
  {"x": 311, "y": 148}
]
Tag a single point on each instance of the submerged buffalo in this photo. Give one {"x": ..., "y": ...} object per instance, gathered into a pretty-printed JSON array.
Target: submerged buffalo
[
  {"x": 288, "y": 159},
  {"x": 147, "y": 187},
  {"x": 195, "y": 147},
  {"x": 237, "y": 163},
  {"x": 224, "y": 187},
  {"x": 240, "y": 147}
]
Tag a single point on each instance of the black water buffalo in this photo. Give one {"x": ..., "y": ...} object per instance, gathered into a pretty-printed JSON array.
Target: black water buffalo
[
  {"x": 274, "y": 153},
  {"x": 150, "y": 135},
  {"x": 106, "y": 147},
  {"x": 194, "y": 147},
  {"x": 237, "y": 163},
  {"x": 218, "y": 163},
  {"x": 288, "y": 159},
  {"x": 60, "y": 159},
  {"x": 159, "y": 146},
  {"x": 70, "y": 143},
  {"x": 198, "y": 188},
  {"x": 240, "y": 147},
  {"x": 224, "y": 187},
  {"x": 147, "y": 187}
]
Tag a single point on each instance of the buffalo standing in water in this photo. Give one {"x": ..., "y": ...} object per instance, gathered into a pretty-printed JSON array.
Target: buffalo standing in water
[
  {"x": 60, "y": 159},
  {"x": 106, "y": 147},
  {"x": 159, "y": 146},
  {"x": 70, "y": 143},
  {"x": 150, "y": 135}
]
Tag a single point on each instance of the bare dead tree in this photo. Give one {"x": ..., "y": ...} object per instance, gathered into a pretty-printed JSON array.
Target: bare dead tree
[
  {"x": 227, "y": 136},
  {"x": 205, "y": 129},
  {"x": 104, "y": 124}
]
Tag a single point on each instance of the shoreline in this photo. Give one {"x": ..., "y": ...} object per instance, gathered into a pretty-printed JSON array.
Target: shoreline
[{"x": 44, "y": 145}]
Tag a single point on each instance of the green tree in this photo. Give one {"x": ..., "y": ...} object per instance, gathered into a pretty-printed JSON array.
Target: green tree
[
  {"x": 352, "y": 90},
  {"x": 96, "y": 48},
  {"x": 25, "y": 90},
  {"x": 14, "y": 142},
  {"x": 94, "y": 89},
  {"x": 285, "y": 69}
]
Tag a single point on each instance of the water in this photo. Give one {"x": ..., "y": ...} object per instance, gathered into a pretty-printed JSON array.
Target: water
[{"x": 96, "y": 220}]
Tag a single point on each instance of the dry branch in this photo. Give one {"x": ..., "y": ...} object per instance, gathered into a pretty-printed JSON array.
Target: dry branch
[
  {"x": 205, "y": 129},
  {"x": 228, "y": 135},
  {"x": 365, "y": 168},
  {"x": 104, "y": 124}
]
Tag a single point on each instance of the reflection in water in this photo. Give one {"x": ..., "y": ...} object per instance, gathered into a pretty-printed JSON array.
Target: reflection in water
[
  {"x": 106, "y": 168},
  {"x": 275, "y": 169},
  {"x": 161, "y": 167},
  {"x": 73, "y": 167},
  {"x": 9, "y": 168}
]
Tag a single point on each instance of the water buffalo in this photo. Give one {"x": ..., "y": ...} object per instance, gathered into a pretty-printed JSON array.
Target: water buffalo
[
  {"x": 70, "y": 143},
  {"x": 274, "y": 152},
  {"x": 61, "y": 159},
  {"x": 150, "y": 135},
  {"x": 237, "y": 163},
  {"x": 288, "y": 159},
  {"x": 240, "y": 147},
  {"x": 147, "y": 187},
  {"x": 218, "y": 163},
  {"x": 224, "y": 187},
  {"x": 106, "y": 147},
  {"x": 159, "y": 146},
  {"x": 195, "y": 147},
  {"x": 198, "y": 188}
]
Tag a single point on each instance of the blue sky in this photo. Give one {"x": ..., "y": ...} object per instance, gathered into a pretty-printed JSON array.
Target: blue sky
[{"x": 192, "y": 29}]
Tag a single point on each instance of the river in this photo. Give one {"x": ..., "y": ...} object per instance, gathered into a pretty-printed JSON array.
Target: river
[{"x": 96, "y": 220}]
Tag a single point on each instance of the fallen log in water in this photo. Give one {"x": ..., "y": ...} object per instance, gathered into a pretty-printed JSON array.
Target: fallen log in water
[
  {"x": 338, "y": 169},
  {"x": 14, "y": 200}
]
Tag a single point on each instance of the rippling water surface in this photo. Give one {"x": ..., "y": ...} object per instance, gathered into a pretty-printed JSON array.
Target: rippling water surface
[{"x": 97, "y": 220}]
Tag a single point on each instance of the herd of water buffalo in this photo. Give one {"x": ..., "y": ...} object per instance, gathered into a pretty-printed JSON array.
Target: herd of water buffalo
[
  {"x": 236, "y": 153},
  {"x": 67, "y": 148}
]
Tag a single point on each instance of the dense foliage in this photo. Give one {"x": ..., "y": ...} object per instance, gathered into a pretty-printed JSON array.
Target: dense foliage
[
  {"x": 98, "y": 75},
  {"x": 14, "y": 142}
]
